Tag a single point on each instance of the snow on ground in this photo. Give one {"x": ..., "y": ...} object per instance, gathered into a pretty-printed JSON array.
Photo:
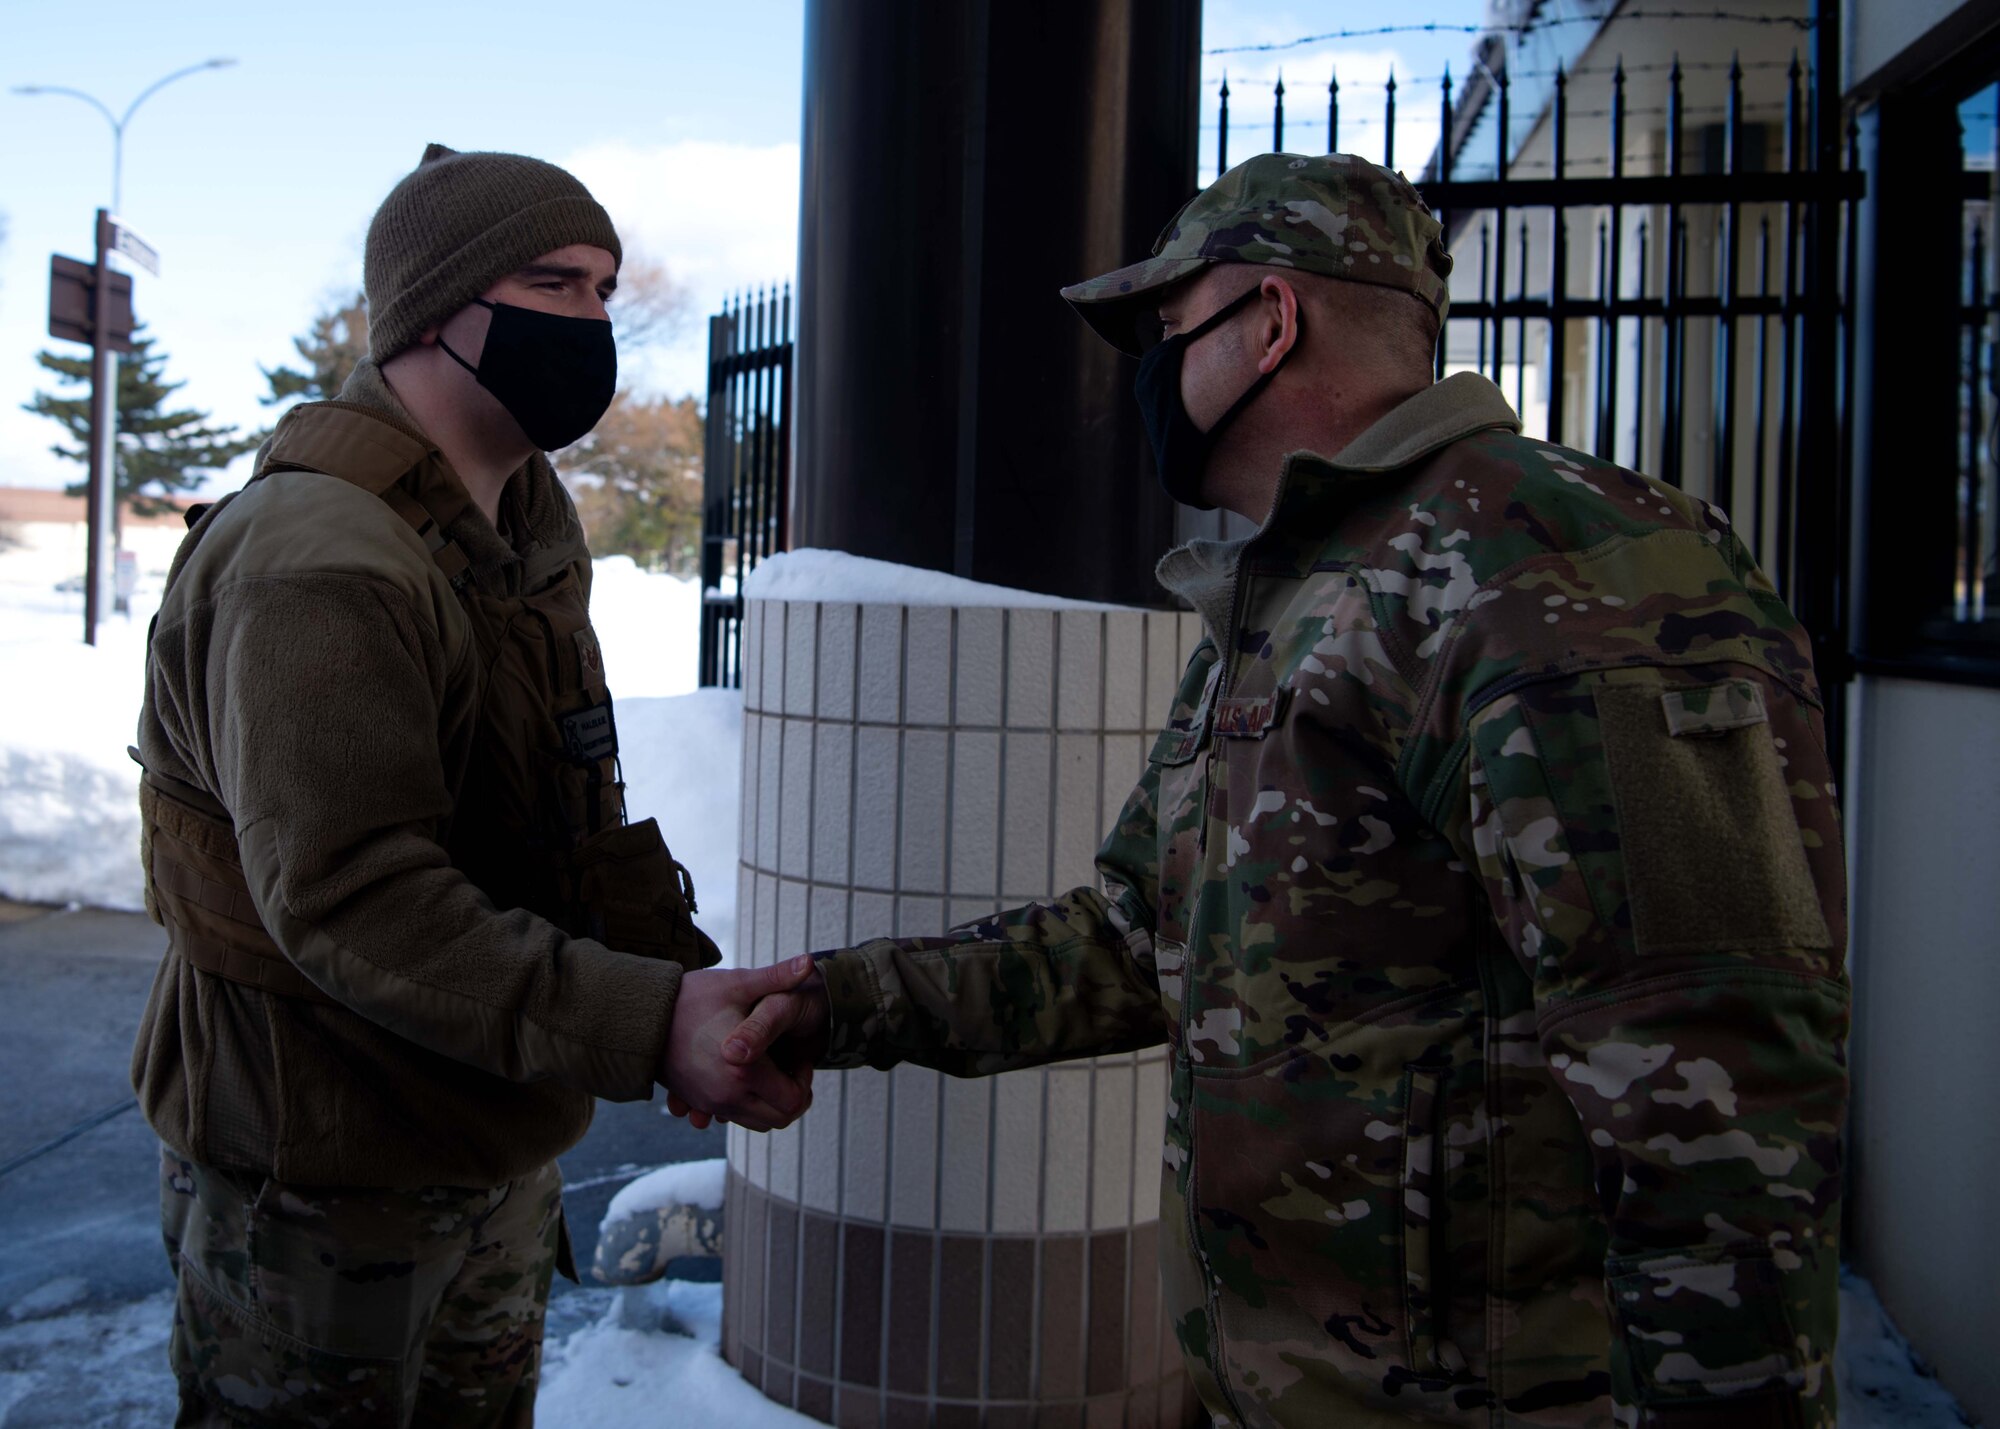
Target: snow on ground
[
  {"x": 69, "y": 814},
  {"x": 657, "y": 1346},
  {"x": 1883, "y": 1383},
  {"x": 685, "y": 1183},
  {"x": 835, "y": 575}
]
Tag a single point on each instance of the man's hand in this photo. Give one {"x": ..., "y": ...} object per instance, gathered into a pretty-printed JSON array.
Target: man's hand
[
  {"x": 790, "y": 1026},
  {"x": 702, "y": 1083}
]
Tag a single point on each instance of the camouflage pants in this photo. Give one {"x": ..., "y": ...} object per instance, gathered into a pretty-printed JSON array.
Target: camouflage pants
[{"x": 323, "y": 1306}]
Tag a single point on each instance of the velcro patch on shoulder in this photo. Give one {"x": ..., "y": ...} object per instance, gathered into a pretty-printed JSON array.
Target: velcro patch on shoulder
[
  {"x": 1713, "y": 856},
  {"x": 1714, "y": 709},
  {"x": 1245, "y": 718}
]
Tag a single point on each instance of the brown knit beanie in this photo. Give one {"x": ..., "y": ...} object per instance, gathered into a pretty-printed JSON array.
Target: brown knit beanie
[{"x": 457, "y": 224}]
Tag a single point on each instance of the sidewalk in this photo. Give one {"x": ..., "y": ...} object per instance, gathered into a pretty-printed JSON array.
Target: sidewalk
[{"x": 80, "y": 1221}]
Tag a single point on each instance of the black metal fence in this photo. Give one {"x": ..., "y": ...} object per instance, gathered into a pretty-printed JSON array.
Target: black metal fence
[
  {"x": 746, "y": 467},
  {"x": 1693, "y": 322},
  {"x": 1976, "y": 563}
]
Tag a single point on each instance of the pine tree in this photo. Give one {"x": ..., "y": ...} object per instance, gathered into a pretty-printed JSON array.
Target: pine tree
[
  {"x": 331, "y": 351},
  {"x": 162, "y": 452}
]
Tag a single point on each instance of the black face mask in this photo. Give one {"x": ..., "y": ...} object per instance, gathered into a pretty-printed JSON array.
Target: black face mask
[
  {"x": 555, "y": 375},
  {"x": 1180, "y": 448}
]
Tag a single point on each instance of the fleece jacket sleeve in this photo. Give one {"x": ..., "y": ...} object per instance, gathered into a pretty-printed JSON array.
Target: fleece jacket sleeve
[{"x": 323, "y": 697}]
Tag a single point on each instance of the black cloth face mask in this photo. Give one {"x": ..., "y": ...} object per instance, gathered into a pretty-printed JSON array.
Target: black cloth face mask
[
  {"x": 555, "y": 375},
  {"x": 1180, "y": 448}
]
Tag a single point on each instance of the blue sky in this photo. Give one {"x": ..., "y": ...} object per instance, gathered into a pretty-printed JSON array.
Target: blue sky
[{"x": 255, "y": 183}]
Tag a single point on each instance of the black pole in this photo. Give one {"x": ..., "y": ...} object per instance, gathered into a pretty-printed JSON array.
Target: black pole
[
  {"x": 1278, "y": 116},
  {"x": 953, "y": 413},
  {"x": 103, "y": 435}
]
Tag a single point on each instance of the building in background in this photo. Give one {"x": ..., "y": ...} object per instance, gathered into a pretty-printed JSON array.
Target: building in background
[{"x": 42, "y": 540}]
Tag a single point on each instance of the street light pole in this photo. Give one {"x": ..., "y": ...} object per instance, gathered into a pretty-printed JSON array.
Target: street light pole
[
  {"x": 100, "y": 573},
  {"x": 118, "y": 122}
]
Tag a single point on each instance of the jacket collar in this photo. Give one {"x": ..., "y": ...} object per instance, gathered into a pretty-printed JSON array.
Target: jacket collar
[
  {"x": 371, "y": 439},
  {"x": 1203, "y": 572},
  {"x": 1443, "y": 413}
]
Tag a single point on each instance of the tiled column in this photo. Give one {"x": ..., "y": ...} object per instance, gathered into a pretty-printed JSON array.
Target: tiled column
[{"x": 921, "y": 1249}]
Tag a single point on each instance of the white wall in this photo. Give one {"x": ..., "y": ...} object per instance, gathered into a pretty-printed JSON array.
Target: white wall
[
  {"x": 1925, "y": 832},
  {"x": 1873, "y": 32}
]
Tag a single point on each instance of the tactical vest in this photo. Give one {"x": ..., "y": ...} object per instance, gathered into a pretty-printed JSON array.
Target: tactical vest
[{"x": 538, "y": 817}]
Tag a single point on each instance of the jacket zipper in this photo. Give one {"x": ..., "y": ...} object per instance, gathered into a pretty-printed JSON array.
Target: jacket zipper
[
  {"x": 1227, "y": 652},
  {"x": 1210, "y": 1299}
]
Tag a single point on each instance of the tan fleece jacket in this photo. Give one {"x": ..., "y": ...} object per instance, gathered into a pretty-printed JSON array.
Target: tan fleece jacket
[{"x": 313, "y": 671}]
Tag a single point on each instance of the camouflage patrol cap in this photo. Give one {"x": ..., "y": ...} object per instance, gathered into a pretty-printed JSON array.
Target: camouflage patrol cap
[{"x": 1336, "y": 214}]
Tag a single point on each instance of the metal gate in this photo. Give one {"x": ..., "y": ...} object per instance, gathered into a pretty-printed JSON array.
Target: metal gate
[
  {"x": 746, "y": 467},
  {"x": 1694, "y": 323}
]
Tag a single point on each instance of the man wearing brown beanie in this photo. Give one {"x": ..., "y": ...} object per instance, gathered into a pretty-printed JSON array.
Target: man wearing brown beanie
[{"x": 412, "y": 935}]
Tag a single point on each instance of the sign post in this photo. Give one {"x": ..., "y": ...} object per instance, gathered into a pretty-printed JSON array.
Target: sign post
[
  {"x": 90, "y": 303},
  {"x": 97, "y": 570}
]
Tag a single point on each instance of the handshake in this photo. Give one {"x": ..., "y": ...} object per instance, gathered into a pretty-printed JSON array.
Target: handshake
[{"x": 741, "y": 1045}]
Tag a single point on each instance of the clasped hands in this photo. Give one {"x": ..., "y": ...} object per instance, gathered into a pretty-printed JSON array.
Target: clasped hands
[{"x": 740, "y": 1046}]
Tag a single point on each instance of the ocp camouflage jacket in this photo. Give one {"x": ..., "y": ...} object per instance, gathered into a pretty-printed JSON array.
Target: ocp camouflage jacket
[{"x": 1487, "y": 883}]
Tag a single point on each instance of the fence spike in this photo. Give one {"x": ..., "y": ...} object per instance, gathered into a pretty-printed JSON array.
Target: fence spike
[
  {"x": 1333, "y": 112},
  {"x": 1618, "y": 119},
  {"x": 1732, "y": 138},
  {"x": 1792, "y": 145},
  {"x": 1278, "y": 116},
  {"x": 1389, "y": 125},
  {"x": 1674, "y": 125},
  {"x": 1222, "y": 132},
  {"x": 1560, "y": 118},
  {"x": 1444, "y": 127}
]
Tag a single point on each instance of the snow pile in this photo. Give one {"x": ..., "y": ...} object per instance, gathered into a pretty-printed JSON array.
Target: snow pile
[
  {"x": 69, "y": 795},
  {"x": 835, "y": 575},
  {"x": 614, "y": 1373},
  {"x": 649, "y": 627},
  {"x": 681, "y": 758},
  {"x": 686, "y": 1183},
  {"x": 69, "y": 812},
  {"x": 1883, "y": 1383}
]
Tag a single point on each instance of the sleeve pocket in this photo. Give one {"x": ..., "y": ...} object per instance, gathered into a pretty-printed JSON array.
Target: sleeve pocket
[
  {"x": 1714, "y": 857},
  {"x": 1701, "y": 1323}
]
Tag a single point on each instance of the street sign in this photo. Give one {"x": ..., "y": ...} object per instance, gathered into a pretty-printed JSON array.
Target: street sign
[
  {"x": 73, "y": 296},
  {"x": 125, "y": 241}
]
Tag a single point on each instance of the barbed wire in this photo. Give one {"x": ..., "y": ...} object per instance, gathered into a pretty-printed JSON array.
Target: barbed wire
[
  {"x": 1580, "y": 72},
  {"x": 1801, "y": 23},
  {"x": 1422, "y": 117}
]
